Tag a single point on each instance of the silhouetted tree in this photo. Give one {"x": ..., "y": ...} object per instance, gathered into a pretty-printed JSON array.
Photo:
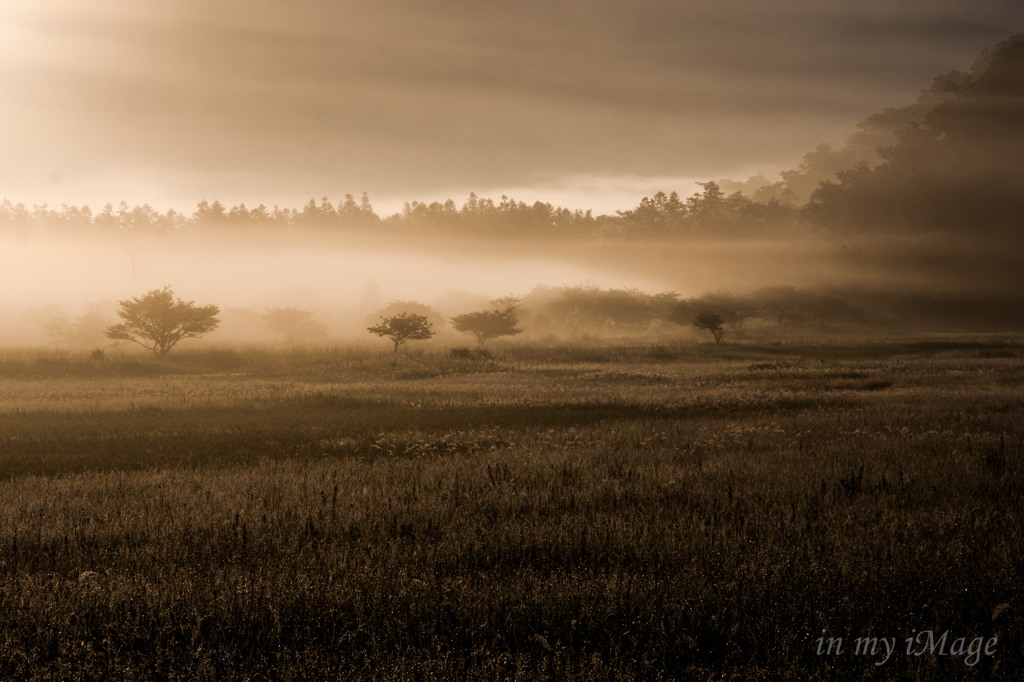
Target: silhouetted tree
[
  {"x": 659, "y": 216},
  {"x": 13, "y": 214},
  {"x": 502, "y": 320},
  {"x": 735, "y": 310},
  {"x": 158, "y": 321},
  {"x": 398, "y": 307},
  {"x": 403, "y": 327},
  {"x": 711, "y": 322},
  {"x": 710, "y": 213},
  {"x": 209, "y": 214}
]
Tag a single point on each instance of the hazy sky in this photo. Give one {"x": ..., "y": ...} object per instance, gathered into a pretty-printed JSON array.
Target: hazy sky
[{"x": 587, "y": 104}]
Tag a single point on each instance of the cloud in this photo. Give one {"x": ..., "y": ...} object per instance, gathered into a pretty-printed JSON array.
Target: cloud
[{"x": 409, "y": 97}]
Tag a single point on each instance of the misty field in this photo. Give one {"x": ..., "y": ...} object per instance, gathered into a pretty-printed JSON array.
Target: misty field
[{"x": 600, "y": 512}]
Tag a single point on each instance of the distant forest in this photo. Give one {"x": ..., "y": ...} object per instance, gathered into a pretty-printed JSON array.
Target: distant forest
[{"x": 950, "y": 164}]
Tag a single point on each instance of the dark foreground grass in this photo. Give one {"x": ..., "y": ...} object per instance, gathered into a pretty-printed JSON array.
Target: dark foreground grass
[
  {"x": 50, "y": 444},
  {"x": 325, "y": 364},
  {"x": 691, "y": 534}
]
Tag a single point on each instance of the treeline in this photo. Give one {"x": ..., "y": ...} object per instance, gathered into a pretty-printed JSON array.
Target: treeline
[
  {"x": 774, "y": 311},
  {"x": 477, "y": 216},
  {"x": 589, "y": 311},
  {"x": 709, "y": 213},
  {"x": 949, "y": 163}
]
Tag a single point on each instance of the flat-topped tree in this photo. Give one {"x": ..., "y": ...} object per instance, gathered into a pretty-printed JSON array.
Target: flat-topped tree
[
  {"x": 490, "y": 324},
  {"x": 403, "y": 327},
  {"x": 158, "y": 321},
  {"x": 711, "y": 322}
]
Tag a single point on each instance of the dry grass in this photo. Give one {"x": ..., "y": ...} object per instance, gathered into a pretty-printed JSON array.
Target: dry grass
[{"x": 547, "y": 513}]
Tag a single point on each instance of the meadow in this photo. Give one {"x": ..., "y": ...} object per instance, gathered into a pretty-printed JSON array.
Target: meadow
[{"x": 601, "y": 511}]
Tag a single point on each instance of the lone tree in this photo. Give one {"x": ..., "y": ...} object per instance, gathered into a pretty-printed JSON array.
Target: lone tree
[
  {"x": 712, "y": 322},
  {"x": 415, "y": 307},
  {"x": 735, "y": 310},
  {"x": 490, "y": 324},
  {"x": 158, "y": 321},
  {"x": 403, "y": 327}
]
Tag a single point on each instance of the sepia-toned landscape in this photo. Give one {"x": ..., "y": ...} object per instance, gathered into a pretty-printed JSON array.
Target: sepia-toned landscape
[{"x": 699, "y": 356}]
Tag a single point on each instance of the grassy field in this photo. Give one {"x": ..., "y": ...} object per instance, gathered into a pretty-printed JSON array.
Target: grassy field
[{"x": 593, "y": 512}]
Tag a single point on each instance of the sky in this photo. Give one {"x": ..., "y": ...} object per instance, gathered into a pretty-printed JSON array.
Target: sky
[{"x": 588, "y": 105}]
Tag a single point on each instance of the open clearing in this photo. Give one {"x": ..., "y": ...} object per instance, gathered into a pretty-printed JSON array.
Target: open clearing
[{"x": 563, "y": 512}]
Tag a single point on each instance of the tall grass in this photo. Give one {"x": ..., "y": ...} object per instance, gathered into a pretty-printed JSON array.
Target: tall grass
[{"x": 559, "y": 517}]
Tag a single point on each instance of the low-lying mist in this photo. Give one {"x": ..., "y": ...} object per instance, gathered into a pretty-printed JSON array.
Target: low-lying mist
[
  {"x": 62, "y": 290},
  {"x": 46, "y": 277}
]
